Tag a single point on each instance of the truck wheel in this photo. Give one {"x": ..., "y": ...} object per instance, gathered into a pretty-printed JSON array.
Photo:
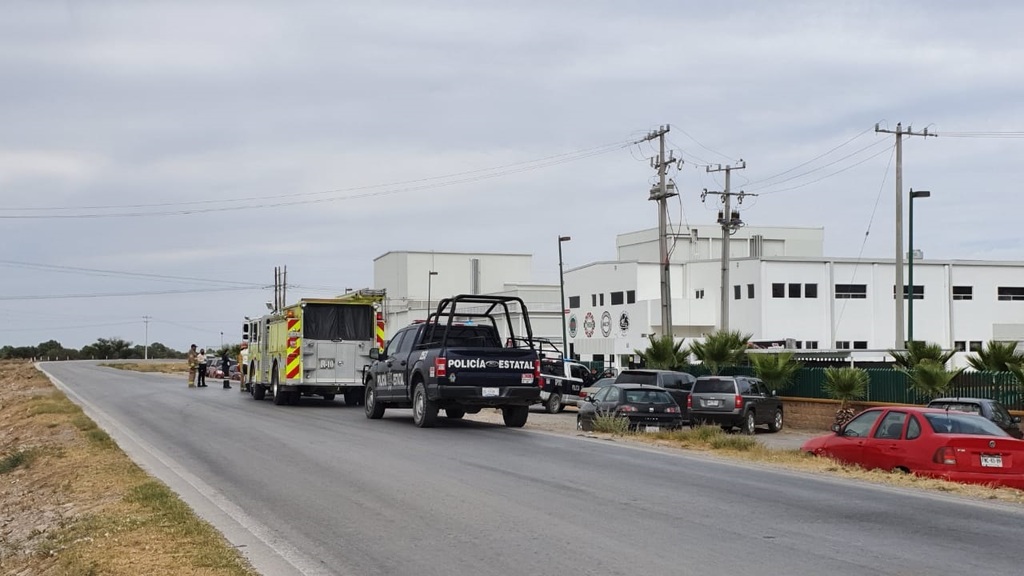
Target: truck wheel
[
  {"x": 259, "y": 391},
  {"x": 454, "y": 413},
  {"x": 424, "y": 410},
  {"x": 776, "y": 423},
  {"x": 554, "y": 403},
  {"x": 352, "y": 396},
  {"x": 374, "y": 410},
  {"x": 329, "y": 397},
  {"x": 276, "y": 394},
  {"x": 584, "y": 425},
  {"x": 515, "y": 416},
  {"x": 748, "y": 424}
]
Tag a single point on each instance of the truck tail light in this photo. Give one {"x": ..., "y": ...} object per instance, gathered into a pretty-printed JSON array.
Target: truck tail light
[
  {"x": 689, "y": 402},
  {"x": 536, "y": 373},
  {"x": 739, "y": 401},
  {"x": 440, "y": 367},
  {"x": 945, "y": 455}
]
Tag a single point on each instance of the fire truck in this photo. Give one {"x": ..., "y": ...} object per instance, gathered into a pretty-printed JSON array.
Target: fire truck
[{"x": 315, "y": 347}]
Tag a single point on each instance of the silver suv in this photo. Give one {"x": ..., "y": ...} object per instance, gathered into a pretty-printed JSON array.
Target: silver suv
[{"x": 734, "y": 402}]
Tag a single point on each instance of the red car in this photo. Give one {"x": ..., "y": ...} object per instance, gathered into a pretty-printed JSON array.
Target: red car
[{"x": 928, "y": 442}]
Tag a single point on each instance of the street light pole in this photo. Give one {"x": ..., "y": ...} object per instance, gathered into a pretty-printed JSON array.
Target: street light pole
[
  {"x": 910, "y": 261},
  {"x": 430, "y": 276},
  {"x": 561, "y": 286}
]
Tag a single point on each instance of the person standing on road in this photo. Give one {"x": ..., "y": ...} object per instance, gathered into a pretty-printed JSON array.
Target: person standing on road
[
  {"x": 225, "y": 367},
  {"x": 193, "y": 363},
  {"x": 201, "y": 375},
  {"x": 243, "y": 367}
]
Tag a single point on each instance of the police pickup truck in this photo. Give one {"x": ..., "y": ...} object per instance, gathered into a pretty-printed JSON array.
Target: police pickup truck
[{"x": 455, "y": 361}]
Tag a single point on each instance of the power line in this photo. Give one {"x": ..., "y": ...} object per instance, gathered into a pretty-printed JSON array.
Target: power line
[
  {"x": 827, "y": 176},
  {"x": 875, "y": 144},
  {"x": 802, "y": 164}
]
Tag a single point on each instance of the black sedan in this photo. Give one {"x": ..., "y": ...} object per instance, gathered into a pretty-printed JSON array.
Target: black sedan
[{"x": 648, "y": 408}]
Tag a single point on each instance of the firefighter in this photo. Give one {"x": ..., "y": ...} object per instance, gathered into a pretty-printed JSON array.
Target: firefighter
[{"x": 193, "y": 364}]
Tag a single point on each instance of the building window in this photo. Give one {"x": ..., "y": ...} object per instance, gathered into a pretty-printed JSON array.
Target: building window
[
  {"x": 699, "y": 294},
  {"x": 975, "y": 346},
  {"x": 593, "y": 300},
  {"x": 630, "y": 296},
  {"x": 778, "y": 290},
  {"x": 574, "y": 301},
  {"x": 918, "y": 292},
  {"x": 737, "y": 290},
  {"x": 601, "y": 298},
  {"x": 1011, "y": 293},
  {"x": 860, "y": 345},
  {"x": 797, "y": 344},
  {"x": 811, "y": 344},
  {"x": 842, "y": 345},
  {"x": 810, "y": 290},
  {"x": 794, "y": 290},
  {"x": 963, "y": 293},
  {"x": 960, "y": 346},
  {"x": 616, "y": 298},
  {"x": 851, "y": 291}
]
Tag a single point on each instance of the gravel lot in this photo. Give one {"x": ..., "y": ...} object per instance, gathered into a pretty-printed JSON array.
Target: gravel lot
[{"x": 565, "y": 423}]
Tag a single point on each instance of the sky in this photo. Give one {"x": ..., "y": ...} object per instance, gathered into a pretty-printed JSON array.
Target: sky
[{"x": 159, "y": 159}]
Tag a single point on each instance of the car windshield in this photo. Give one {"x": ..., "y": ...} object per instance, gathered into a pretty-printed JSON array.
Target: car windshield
[
  {"x": 715, "y": 385},
  {"x": 637, "y": 378},
  {"x": 647, "y": 397},
  {"x": 962, "y": 423},
  {"x": 957, "y": 406}
]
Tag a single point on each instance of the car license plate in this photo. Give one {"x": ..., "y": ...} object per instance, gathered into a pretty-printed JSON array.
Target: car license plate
[
  {"x": 713, "y": 403},
  {"x": 652, "y": 428},
  {"x": 489, "y": 392},
  {"x": 991, "y": 460},
  {"x": 326, "y": 363}
]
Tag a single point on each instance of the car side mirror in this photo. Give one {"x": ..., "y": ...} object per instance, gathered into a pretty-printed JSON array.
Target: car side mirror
[
  {"x": 375, "y": 353},
  {"x": 1015, "y": 419},
  {"x": 590, "y": 398},
  {"x": 774, "y": 393},
  {"x": 837, "y": 428}
]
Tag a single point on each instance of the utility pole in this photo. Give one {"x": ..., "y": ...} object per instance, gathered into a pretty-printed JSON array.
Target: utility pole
[
  {"x": 730, "y": 221},
  {"x": 900, "y": 289},
  {"x": 661, "y": 194},
  {"x": 145, "y": 320}
]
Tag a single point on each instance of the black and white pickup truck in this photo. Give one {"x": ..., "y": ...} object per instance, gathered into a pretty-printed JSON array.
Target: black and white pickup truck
[{"x": 456, "y": 361}]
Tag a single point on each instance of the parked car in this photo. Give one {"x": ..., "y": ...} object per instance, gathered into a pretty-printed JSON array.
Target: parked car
[
  {"x": 648, "y": 408},
  {"x": 214, "y": 370},
  {"x": 929, "y": 442},
  {"x": 678, "y": 384},
  {"x": 734, "y": 402},
  {"x": 561, "y": 382},
  {"x": 988, "y": 408},
  {"x": 593, "y": 388}
]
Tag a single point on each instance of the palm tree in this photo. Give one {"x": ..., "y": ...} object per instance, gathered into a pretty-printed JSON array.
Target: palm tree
[
  {"x": 930, "y": 378},
  {"x": 721, "y": 348},
  {"x": 918, "y": 351},
  {"x": 996, "y": 357},
  {"x": 845, "y": 384},
  {"x": 663, "y": 353},
  {"x": 775, "y": 370}
]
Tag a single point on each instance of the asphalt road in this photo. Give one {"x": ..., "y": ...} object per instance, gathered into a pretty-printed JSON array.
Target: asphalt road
[{"x": 319, "y": 489}]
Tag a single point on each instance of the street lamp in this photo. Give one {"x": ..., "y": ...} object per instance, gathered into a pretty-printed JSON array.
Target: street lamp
[
  {"x": 561, "y": 286},
  {"x": 910, "y": 262},
  {"x": 430, "y": 276}
]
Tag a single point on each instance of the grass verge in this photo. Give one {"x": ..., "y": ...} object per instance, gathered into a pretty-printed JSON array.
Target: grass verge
[{"x": 161, "y": 367}]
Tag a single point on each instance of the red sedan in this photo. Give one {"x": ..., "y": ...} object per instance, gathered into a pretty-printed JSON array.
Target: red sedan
[{"x": 928, "y": 442}]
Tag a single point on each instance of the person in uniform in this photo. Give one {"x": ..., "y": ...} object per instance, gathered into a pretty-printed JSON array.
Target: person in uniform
[
  {"x": 243, "y": 367},
  {"x": 193, "y": 365},
  {"x": 225, "y": 368},
  {"x": 201, "y": 372}
]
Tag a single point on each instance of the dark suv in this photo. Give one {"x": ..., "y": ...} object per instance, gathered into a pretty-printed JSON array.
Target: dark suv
[
  {"x": 677, "y": 384},
  {"x": 734, "y": 401}
]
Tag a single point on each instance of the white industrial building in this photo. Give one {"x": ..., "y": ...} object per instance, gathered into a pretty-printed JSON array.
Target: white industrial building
[{"x": 782, "y": 289}]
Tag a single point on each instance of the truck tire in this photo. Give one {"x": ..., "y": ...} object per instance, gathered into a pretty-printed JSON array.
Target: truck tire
[
  {"x": 776, "y": 423},
  {"x": 276, "y": 394},
  {"x": 259, "y": 391},
  {"x": 454, "y": 413},
  {"x": 748, "y": 424},
  {"x": 352, "y": 396},
  {"x": 424, "y": 410},
  {"x": 374, "y": 409},
  {"x": 515, "y": 416},
  {"x": 554, "y": 405}
]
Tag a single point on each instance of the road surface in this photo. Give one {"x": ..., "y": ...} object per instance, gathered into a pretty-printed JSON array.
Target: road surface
[{"x": 319, "y": 489}]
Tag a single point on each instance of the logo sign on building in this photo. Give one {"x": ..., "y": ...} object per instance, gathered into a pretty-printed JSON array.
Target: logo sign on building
[
  {"x": 624, "y": 323},
  {"x": 606, "y": 324},
  {"x": 572, "y": 326},
  {"x": 589, "y": 324}
]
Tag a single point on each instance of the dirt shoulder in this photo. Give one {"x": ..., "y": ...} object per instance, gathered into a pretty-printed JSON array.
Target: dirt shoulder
[{"x": 72, "y": 503}]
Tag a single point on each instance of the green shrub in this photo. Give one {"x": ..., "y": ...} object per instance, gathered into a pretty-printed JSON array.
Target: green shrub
[
  {"x": 14, "y": 460},
  {"x": 611, "y": 424}
]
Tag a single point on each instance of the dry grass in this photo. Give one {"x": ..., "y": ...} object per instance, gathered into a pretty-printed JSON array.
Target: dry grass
[
  {"x": 179, "y": 367},
  {"x": 73, "y": 503}
]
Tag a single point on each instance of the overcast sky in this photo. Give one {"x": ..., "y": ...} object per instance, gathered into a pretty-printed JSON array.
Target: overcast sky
[{"x": 196, "y": 145}]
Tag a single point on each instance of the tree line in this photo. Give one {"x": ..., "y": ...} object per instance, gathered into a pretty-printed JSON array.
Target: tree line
[{"x": 101, "y": 349}]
